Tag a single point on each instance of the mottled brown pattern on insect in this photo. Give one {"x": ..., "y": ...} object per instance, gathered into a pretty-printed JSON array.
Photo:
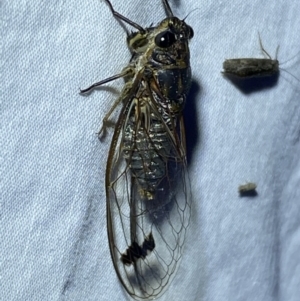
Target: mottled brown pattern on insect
[
  {"x": 246, "y": 67},
  {"x": 252, "y": 67}
]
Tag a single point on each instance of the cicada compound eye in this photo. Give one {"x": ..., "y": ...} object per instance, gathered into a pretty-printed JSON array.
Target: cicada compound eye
[{"x": 165, "y": 39}]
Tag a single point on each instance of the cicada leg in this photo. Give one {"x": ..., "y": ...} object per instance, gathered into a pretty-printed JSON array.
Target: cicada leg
[
  {"x": 126, "y": 91},
  {"x": 124, "y": 73}
]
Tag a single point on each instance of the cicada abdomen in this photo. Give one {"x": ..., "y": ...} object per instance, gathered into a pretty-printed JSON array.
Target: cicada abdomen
[{"x": 147, "y": 186}]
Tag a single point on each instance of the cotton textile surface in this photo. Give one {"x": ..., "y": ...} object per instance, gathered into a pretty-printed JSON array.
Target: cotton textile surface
[{"x": 53, "y": 221}]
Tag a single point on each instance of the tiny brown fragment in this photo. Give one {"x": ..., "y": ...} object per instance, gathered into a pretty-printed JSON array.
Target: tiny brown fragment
[{"x": 248, "y": 189}]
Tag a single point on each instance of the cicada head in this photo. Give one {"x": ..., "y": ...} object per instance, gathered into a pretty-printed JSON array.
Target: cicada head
[{"x": 170, "y": 36}]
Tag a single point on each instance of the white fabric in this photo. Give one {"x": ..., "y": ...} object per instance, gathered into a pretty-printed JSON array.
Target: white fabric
[{"x": 53, "y": 223}]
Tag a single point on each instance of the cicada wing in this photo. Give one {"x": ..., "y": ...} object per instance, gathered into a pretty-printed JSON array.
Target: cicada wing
[{"x": 146, "y": 229}]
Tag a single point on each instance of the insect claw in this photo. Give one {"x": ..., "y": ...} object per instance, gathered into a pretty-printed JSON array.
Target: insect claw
[
  {"x": 103, "y": 130},
  {"x": 102, "y": 133}
]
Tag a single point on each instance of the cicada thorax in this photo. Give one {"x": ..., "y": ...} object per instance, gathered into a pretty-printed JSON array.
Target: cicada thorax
[
  {"x": 171, "y": 65},
  {"x": 162, "y": 53}
]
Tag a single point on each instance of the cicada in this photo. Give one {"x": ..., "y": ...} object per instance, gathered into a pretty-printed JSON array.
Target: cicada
[{"x": 147, "y": 185}]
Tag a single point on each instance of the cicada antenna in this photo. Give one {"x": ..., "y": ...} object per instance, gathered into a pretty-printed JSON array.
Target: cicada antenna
[
  {"x": 123, "y": 18},
  {"x": 168, "y": 9},
  {"x": 190, "y": 13}
]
